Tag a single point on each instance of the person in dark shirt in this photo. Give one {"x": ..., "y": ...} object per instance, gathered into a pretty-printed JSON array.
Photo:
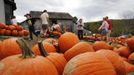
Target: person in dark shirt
[{"x": 30, "y": 23}]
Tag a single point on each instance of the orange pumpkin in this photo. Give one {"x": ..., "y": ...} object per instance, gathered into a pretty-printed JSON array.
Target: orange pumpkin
[
  {"x": 123, "y": 51},
  {"x": 57, "y": 59},
  {"x": 77, "y": 49},
  {"x": 8, "y": 32},
  {"x": 89, "y": 63},
  {"x": 9, "y": 47},
  {"x": 130, "y": 43},
  {"x": 14, "y": 33},
  {"x": 26, "y": 33},
  {"x": 115, "y": 60},
  {"x": 19, "y": 28},
  {"x": 129, "y": 67},
  {"x": 67, "y": 40},
  {"x": 2, "y": 31},
  {"x": 2, "y": 26},
  {"x": 131, "y": 58},
  {"x": 27, "y": 64},
  {"x": 20, "y": 33},
  {"x": 11, "y": 27},
  {"x": 48, "y": 47},
  {"x": 101, "y": 45}
]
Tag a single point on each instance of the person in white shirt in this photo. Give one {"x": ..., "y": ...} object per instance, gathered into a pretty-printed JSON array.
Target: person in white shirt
[
  {"x": 13, "y": 20},
  {"x": 80, "y": 28},
  {"x": 45, "y": 22}
]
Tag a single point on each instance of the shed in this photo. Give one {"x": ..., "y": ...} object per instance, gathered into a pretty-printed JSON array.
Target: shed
[{"x": 62, "y": 17}]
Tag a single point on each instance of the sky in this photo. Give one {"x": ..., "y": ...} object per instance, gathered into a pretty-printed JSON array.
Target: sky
[{"x": 88, "y": 10}]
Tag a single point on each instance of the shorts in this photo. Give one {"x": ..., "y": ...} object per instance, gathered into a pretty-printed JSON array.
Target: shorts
[
  {"x": 44, "y": 26},
  {"x": 37, "y": 33},
  {"x": 104, "y": 32}
]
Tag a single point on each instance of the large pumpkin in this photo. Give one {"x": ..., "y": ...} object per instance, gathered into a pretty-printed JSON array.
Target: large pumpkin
[
  {"x": 9, "y": 47},
  {"x": 27, "y": 64},
  {"x": 115, "y": 60},
  {"x": 77, "y": 49},
  {"x": 67, "y": 40},
  {"x": 129, "y": 67},
  {"x": 101, "y": 45},
  {"x": 130, "y": 43},
  {"x": 57, "y": 59},
  {"x": 48, "y": 47},
  {"x": 89, "y": 63}
]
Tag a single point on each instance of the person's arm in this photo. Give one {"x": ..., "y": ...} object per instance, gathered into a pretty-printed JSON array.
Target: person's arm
[{"x": 103, "y": 23}]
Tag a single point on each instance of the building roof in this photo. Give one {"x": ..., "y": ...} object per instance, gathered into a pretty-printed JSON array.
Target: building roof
[{"x": 52, "y": 15}]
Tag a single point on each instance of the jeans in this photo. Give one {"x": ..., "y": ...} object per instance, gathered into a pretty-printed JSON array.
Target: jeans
[{"x": 80, "y": 34}]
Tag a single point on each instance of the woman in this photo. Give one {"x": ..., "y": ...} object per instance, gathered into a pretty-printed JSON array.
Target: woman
[{"x": 104, "y": 29}]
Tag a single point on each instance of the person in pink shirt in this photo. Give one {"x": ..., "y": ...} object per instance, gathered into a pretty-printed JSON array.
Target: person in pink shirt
[{"x": 104, "y": 29}]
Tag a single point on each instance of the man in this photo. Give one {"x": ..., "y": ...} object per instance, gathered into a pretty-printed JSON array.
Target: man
[
  {"x": 45, "y": 22},
  {"x": 30, "y": 23}
]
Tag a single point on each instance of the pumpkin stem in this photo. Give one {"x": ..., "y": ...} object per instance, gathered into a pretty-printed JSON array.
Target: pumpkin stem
[
  {"x": 26, "y": 51},
  {"x": 42, "y": 50}
]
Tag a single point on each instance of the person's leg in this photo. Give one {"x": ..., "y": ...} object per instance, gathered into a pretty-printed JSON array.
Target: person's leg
[
  {"x": 79, "y": 34},
  {"x": 30, "y": 32}
]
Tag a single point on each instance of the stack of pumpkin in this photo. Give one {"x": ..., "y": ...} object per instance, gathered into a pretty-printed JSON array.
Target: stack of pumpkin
[
  {"x": 12, "y": 30},
  {"x": 66, "y": 56}
]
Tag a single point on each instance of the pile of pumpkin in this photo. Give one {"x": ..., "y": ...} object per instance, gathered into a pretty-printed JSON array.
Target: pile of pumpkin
[
  {"x": 65, "y": 56},
  {"x": 12, "y": 30}
]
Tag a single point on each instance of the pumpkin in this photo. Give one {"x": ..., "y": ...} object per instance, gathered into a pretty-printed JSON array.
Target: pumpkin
[
  {"x": 20, "y": 33},
  {"x": 89, "y": 63},
  {"x": 130, "y": 43},
  {"x": 129, "y": 67},
  {"x": 26, "y": 33},
  {"x": 77, "y": 49},
  {"x": 8, "y": 32},
  {"x": 27, "y": 64},
  {"x": 11, "y": 27},
  {"x": 56, "y": 33},
  {"x": 48, "y": 47},
  {"x": 131, "y": 58},
  {"x": 115, "y": 60},
  {"x": 57, "y": 59},
  {"x": 123, "y": 51},
  {"x": 101, "y": 45},
  {"x": 7, "y": 27},
  {"x": 2, "y": 26},
  {"x": 67, "y": 40},
  {"x": 19, "y": 28},
  {"x": 2, "y": 31},
  {"x": 9, "y": 47},
  {"x": 15, "y": 33}
]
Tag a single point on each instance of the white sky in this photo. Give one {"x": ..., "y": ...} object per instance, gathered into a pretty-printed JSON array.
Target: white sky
[{"x": 89, "y": 10}]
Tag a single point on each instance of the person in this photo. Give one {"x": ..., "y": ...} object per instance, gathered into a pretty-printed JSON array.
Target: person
[
  {"x": 110, "y": 27},
  {"x": 30, "y": 23},
  {"x": 104, "y": 29},
  {"x": 80, "y": 28},
  {"x": 13, "y": 20},
  {"x": 45, "y": 22}
]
